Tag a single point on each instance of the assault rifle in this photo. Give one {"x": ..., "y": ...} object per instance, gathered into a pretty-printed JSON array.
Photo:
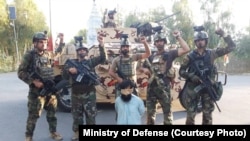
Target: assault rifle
[
  {"x": 207, "y": 84},
  {"x": 122, "y": 75},
  {"x": 83, "y": 70},
  {"x": 154, "y": 76},
  {"x": 49, "y": 86}
]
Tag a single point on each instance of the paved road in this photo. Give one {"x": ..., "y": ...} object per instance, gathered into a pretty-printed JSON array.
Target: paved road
[{"x": 235, "y": 107}]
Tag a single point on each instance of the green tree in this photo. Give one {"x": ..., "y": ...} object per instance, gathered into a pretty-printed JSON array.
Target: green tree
[
  {"x": 182, "y": 22},
  {"x": 83, "y": 33},
  {"x": 243, "y": 47},
  {"x": 28, "y": 21}
]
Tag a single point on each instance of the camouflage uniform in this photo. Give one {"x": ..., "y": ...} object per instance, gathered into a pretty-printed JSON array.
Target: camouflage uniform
[
  {"x": 108, "y": 22},
  {"x": 159, "y": 85},
  {"x": 31, "y": 61},
  {"x": 83, "y": 96},
  {"x": 206, "y": 64},
  {"x": 127, "y": 66}
]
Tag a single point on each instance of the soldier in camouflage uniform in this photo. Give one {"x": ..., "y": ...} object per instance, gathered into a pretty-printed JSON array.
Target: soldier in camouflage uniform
[
  {"x": 126, "y": 63},
  {"x": 37, "y": 60},
  {"x": 204, "y": 58},
  {"x": 109, "y": 20},
  {"x": 160, "y": 64},
  {"x": 83, "y": 96}
]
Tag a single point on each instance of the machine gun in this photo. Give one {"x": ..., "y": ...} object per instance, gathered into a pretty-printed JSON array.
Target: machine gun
[
  {"x": 149, "y": 28},
  {"x": 49, "y": 86},
  {"x": 78, "y": 41},
  {"x": 207, "y": 84},
  {"x": 83, "y": 70}
]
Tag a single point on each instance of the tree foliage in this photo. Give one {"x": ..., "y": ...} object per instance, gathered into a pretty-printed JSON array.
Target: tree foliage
[
  {"x": 243, "y": 48},
  {"x": 28, "y": 21}
]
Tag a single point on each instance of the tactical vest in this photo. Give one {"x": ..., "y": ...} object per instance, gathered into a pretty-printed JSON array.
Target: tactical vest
[
  {"x": 161, "y": 66},
  {"x": 203, "y": 62},
  {"x": 43, "y": 66},
  {"x": 127, "y": 66},
  {"x": 110, "y": 24},
  {"x": 207, "y": 68}
]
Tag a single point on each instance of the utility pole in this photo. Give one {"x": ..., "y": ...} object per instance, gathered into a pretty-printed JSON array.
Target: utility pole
[
  {"x": 50, "y": 47},
  {"x": 15, "y": 34},
  {"x": 12, "y": 16}
]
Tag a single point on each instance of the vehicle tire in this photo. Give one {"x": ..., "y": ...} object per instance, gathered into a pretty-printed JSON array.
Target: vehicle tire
[
  {"x": 182, "y": 97},
  {"x": 64, "y": 99},
  {"x": 183, "y": 102}
]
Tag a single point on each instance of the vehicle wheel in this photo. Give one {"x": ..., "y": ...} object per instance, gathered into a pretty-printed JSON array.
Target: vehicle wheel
[
  {"x": 64, "y": 99},
  {"x": 182, "y": 97},
  {"x": 183, "y": 102},
  {"x": 145, "y": 103}
]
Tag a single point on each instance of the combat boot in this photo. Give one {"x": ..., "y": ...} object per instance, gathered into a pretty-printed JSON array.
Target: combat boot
[
  {"x": 76, "y": 136},
  {"x": 28, "y": 138},
  {"x": 56, "y": 136}
]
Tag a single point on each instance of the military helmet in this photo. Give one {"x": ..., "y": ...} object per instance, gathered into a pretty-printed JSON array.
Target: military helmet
[
  {"x": 160, "y": 36},
  {"x": 60, "y": 34},
  {"x": 110, "y": 12},
  {"x": 200, "y": 35},
  {"x": 124, "y": 40},
  {"x": 81, "y": 46},
  {"x": 40, "y": 36}
]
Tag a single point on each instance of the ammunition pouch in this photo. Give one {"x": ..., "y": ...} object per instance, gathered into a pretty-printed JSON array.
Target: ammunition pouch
[
  {"x": 217, "y": 88},
  {"x": 160, "y": 76},
  {"x": 81, "y": 88},
  {"x": 161, "y": 80}
]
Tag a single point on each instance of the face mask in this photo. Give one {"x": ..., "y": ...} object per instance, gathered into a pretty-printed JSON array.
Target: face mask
[{"x": 126, "y": 98}]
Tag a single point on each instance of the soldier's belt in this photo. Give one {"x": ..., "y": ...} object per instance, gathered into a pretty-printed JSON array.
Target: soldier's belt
[
  {"x": 82, "y": 89},
  {"x": 160, "y": 76}
]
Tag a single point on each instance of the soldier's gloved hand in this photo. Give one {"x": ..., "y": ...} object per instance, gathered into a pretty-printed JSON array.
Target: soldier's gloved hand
[
  {"x": 37, "y": 83},
  {"x": 143, "y": 39},
  {"x": 176, "y": 34},
  {"x": 220, "y": 32},
  {"x": 195, "y": 79}
]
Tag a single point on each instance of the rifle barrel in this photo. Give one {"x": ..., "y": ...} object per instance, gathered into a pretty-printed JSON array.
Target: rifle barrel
[{"x": 168, "y": 16}]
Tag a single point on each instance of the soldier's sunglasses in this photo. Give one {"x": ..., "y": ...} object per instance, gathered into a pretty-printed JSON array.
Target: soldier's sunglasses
[{"x": 199, "y": 40}]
